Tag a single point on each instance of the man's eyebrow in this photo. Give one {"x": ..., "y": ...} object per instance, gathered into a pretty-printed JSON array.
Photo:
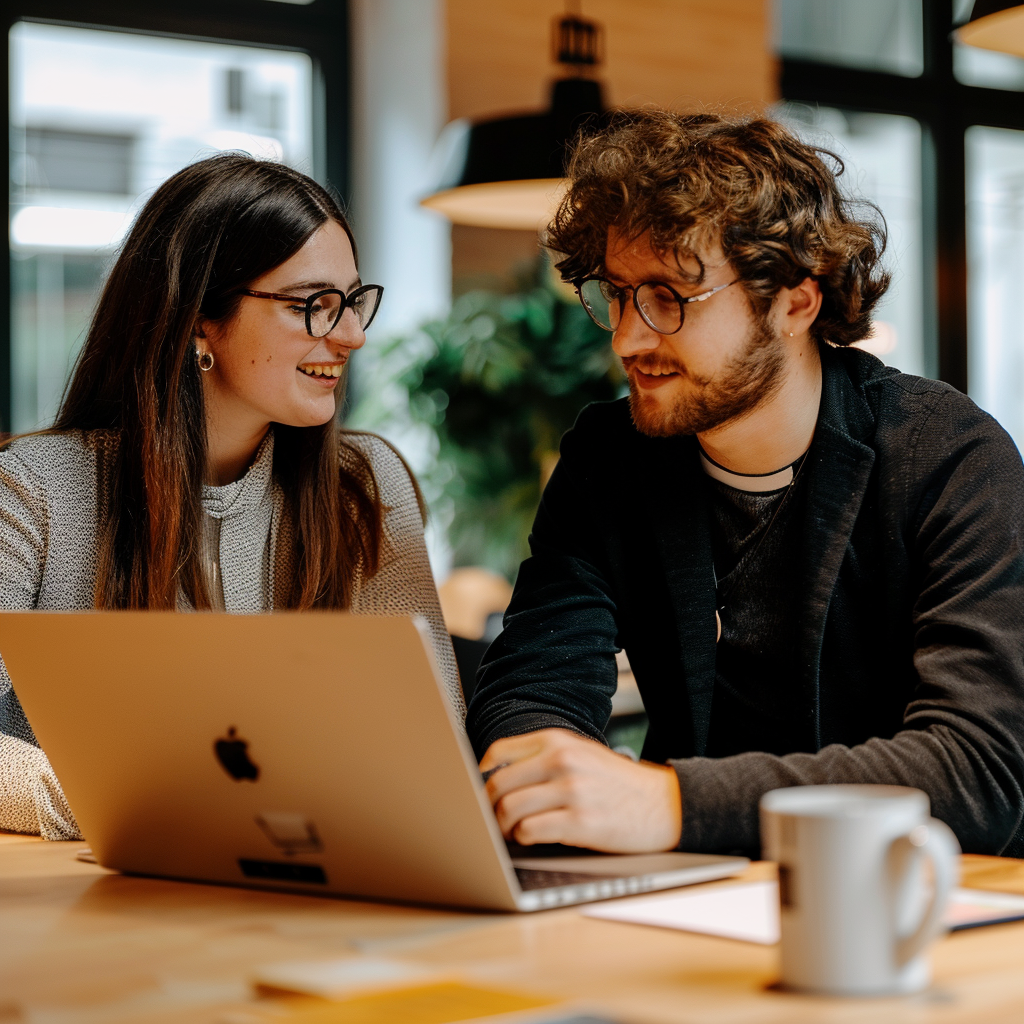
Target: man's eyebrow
[{"x": 678, "y": 280}]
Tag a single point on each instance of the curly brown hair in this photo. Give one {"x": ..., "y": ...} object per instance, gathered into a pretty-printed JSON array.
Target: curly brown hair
[{"x": 771, "y": 201}]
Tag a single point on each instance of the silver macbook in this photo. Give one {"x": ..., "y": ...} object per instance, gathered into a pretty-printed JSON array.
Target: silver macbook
[{"x": 312, "y": 752}]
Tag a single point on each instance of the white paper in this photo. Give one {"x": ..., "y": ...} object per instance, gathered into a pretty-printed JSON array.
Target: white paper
[
  {"x": 750, "y": 911},
  {"x": 970, "y": 907}
]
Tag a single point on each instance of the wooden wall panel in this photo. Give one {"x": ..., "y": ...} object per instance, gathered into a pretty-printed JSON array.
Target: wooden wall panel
[{"x": 684, "y": 54}]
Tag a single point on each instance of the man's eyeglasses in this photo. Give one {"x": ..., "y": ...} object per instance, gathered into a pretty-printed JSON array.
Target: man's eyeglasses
[
  {"x": 662, "y": 308},
  {"x": 324, "y": 309}
]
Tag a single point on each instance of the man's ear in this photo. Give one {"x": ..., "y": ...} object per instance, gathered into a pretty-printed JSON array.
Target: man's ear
[{"x": 799, "y": 306}]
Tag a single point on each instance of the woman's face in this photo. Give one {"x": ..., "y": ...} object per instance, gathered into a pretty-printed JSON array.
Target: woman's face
[{"x": 263, "y": 359}]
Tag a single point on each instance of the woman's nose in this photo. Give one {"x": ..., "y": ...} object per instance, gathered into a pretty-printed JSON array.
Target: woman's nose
[{"x": 348, "y": 332}]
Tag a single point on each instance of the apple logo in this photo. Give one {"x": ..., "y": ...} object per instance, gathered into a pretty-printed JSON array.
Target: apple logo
[{"x": 234, "y": 757}]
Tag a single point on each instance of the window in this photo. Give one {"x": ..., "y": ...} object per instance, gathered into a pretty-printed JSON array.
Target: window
[
  {"x": 881, "y": 154},
  {"x": 995, "y": 297},
  {"x": 98, "y": 118},
  {"x": 974, "y": 66},
  {"x": 881, "y": 34},
  {"x": 968, "y": 107}
]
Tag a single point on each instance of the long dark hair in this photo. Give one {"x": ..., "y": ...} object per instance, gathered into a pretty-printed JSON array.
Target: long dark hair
[{"x": 206, "y": 232}]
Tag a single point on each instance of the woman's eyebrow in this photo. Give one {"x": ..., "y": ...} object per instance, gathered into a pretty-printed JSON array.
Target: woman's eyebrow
[
  {"x": 312, "y": 286},
  {"x": 315, "y": 286}
]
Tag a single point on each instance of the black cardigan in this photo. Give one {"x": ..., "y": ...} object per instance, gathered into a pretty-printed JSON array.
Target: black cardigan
[{"x": 911, "y": 642}]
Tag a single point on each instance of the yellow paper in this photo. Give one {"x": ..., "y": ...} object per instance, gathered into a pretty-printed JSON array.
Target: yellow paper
[{"x": 424, "y": 1004}]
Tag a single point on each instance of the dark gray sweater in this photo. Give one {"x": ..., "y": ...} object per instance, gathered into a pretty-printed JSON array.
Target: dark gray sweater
[
  {"x": 909, "y": 638},
  {"x": 758, "y": 702}
]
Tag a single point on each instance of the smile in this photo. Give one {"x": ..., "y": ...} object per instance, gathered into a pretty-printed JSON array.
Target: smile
[
  {"x": 655, "y": 379},
  {"x": 322, "y": 370}
]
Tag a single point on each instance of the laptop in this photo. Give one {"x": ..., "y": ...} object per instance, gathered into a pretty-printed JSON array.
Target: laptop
[{"x": 313, "y": 752}]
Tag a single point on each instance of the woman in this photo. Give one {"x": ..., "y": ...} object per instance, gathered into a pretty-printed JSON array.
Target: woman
[{"x": 196, "y": 461}]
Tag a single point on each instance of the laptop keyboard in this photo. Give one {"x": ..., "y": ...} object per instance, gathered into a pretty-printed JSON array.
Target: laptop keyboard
[{"x": 535, "y": 878}]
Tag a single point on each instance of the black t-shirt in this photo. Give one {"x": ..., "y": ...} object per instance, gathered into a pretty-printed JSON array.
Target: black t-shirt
[{"x": 758, "y": 703}]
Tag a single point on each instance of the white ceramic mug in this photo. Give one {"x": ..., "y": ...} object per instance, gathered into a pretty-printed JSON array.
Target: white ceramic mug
[{"x": 857, "y": 912}]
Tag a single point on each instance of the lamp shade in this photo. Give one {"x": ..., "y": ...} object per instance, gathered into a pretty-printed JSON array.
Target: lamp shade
[
  {"x": 995, "y": 26},
  {"x": 509, "y": 172}
]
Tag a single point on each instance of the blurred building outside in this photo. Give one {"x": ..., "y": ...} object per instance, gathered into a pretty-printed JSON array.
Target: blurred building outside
[{"x": 98, "y": 121}]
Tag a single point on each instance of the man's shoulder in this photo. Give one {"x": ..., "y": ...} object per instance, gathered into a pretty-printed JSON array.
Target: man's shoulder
[
  {"x": 904, "y": 403},
  {"x": 608, "y": 418},
  {"x": 868, "y": 374},
  {"x": 924, "y": 430},
  {"x": 611, "y": 423},
  {"x": 604, "y": 433}
]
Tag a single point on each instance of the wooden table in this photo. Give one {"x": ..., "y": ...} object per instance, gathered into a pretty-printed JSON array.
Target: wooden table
[{"x": 79, "y": 944}]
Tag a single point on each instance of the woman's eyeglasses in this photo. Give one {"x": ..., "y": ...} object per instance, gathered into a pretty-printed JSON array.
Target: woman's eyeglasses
[
  {"x": 324, "y": 309},
  {"x": 661, "y": 307}
]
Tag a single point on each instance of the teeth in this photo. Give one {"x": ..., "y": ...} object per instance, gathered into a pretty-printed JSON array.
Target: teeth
[{"x": 322, "y": 370}]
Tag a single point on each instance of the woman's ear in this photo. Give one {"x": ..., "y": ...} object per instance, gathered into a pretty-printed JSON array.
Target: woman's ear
[{"x": 208, "y": 331}]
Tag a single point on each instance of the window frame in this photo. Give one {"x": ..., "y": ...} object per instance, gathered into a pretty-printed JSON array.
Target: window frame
[
  {"x": 319, "y": 28},
  {"x": 945, "y": 108}
]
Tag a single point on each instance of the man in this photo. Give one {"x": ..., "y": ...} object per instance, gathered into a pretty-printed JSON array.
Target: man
[{"x": 812, "y": 561}]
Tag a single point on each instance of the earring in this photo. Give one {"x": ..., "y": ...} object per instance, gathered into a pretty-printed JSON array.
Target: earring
[{"x": 205, "y": 360}]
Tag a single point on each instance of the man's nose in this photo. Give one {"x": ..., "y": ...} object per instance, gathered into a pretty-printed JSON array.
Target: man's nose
[{"x": 634, "y": 336}]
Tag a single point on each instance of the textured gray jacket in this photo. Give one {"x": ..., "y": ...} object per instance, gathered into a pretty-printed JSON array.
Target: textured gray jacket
[{"x": 48, "y": 558}]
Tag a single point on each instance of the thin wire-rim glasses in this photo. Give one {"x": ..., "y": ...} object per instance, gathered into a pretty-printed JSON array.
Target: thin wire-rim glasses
[
  {"x": 597, "y": 295},
  {"x": 363, "y": 301}
]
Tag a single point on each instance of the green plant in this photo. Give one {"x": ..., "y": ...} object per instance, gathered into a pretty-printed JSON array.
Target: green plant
[{"x": 504, "y": 376}]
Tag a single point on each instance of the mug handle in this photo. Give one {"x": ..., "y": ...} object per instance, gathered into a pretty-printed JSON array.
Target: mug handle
[{"x": 936, "y": 841}]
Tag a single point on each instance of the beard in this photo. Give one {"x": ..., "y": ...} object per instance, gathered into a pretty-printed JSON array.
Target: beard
[{"x": 749, "y": 378}]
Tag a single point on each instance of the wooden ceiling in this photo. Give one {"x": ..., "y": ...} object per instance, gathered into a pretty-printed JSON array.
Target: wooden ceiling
[{"x": 683, "y": 54}]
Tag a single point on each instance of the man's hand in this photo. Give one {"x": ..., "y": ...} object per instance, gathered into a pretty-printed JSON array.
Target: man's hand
[{"x": 558, "y": 787}]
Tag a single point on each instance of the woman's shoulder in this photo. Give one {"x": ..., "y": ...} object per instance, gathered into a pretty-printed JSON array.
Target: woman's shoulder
[
  {"x": 381, "y": 454},
  {"x": 54, "y": 454},
  {"x": 391, "y": 473}
]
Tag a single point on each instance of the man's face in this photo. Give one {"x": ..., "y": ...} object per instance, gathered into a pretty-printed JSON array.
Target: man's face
[{"x": 717, "y": 367}]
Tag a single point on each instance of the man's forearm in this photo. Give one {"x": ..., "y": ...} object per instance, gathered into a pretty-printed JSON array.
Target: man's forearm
[
  {"x": 518, "y": 723},
  {"x": 975, "y": 796}
]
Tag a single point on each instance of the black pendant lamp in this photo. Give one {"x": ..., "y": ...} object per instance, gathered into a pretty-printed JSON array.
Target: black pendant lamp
[
  {"x": 510, "y": 172},
  {"x": 995, "y": 26}
]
